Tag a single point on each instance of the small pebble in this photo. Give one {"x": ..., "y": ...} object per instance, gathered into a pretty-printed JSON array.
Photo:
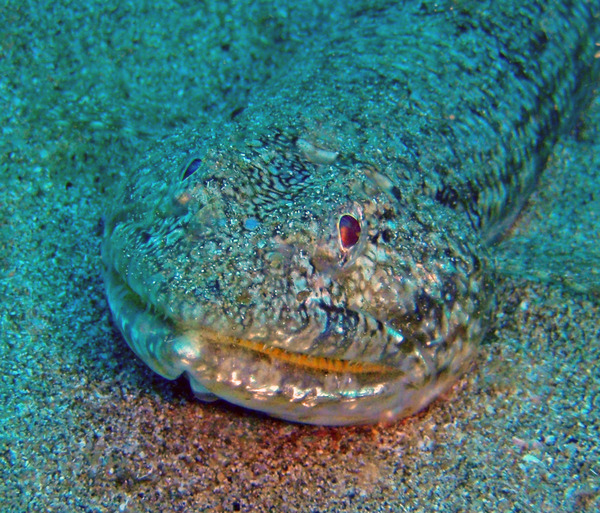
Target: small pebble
[
  {"x": 531, "y": 459},
  {"x": 426, "y": 444},
  {"x": 251, "y": 223}
]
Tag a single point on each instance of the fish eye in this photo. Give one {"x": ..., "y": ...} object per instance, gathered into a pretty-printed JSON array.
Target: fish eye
[{"x": 349, "y": 231}]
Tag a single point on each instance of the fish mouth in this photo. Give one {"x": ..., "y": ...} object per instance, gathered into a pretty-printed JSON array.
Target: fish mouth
[
  {"x": 166, "y": 343},
  {"x": 271, "y": 350},
  {"x": 259, "y": 374}
]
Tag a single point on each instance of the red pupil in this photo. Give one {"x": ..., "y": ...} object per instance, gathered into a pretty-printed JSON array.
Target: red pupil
[{"x": 349, "y": 229}]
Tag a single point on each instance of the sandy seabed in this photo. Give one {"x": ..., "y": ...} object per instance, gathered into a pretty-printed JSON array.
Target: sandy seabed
[{"x": 85, "y": 426}]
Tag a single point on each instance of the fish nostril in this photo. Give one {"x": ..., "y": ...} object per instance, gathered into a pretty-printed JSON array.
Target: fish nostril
[
  {"x": 191, "y": 167},
  {"x": 349, "y": 231}
]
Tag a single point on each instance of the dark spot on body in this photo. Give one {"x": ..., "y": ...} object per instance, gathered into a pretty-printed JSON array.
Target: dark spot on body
[
  {"x": 388, "y": 214},
  {"x": 447, "y": 196},
  {"x": 387, "y": 236},
  {"x": 145, "y": 237}
]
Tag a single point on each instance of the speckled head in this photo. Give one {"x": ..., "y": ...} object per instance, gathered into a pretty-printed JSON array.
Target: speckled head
[{"x": 291, "y": 278}]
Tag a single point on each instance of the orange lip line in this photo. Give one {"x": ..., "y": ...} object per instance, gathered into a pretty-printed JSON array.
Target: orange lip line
[{"x": 320, "y": 363}]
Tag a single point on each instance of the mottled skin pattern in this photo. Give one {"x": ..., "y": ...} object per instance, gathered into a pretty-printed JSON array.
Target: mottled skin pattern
[{"x": 427, "y": 123}]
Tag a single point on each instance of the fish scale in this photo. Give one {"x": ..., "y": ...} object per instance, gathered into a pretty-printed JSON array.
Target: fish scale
[{"x": 423, "y": 126}]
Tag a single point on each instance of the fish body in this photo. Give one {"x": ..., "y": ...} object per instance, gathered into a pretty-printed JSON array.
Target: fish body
[{"x": 322, "y": 257}]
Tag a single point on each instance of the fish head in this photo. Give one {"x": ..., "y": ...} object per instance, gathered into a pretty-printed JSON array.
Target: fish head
[{"x": 295, "y": 279}]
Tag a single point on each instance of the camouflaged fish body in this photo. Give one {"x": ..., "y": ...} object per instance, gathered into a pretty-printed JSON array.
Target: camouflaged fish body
[{"x": 322, "y": 257}]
